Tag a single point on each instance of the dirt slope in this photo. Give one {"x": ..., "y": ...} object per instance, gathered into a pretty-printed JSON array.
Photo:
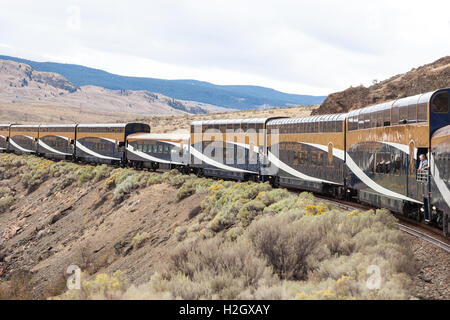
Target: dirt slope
[
  {"x": 427, "y": 78},
  {"x": 49, "y": 229},
  {"x": 105, "y": 219}
]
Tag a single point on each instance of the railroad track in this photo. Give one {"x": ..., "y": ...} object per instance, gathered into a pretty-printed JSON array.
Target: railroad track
[
  {"x": 425, "y": 236},
  {"x": 443, "y": 244}
]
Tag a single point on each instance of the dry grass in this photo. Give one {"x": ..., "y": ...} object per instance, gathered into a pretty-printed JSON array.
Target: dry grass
[
  {"x": 249, "y": 241},
  {"x": 245, "y": 241}
]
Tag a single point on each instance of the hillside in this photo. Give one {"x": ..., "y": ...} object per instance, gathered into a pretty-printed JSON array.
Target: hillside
[
  {"x": 235, "y": 97},
  {"x": 427, "y": 78},
  {"x": 21, "y": 84},
  {"x": 197, "y": 238}
]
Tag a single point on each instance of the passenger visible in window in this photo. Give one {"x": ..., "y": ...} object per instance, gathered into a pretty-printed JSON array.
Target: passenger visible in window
[{"x": 423, "y": 165}]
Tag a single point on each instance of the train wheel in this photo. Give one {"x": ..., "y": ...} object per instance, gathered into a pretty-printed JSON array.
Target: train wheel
[{"x": 200, "y": 173}]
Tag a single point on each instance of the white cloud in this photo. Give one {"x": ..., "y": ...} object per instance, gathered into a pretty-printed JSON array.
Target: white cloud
[{"x": 294, "y": 46}]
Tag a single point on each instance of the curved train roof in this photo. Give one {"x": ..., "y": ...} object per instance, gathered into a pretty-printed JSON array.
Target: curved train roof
[
  {"x": 104, "y": 125},
  {"x": 325, "y": 117},
  {"x": 159, "y": 136},
  {"x": 24, "y": 126},
  {"x": 402, "y": 102},
  {"x": 231, "y": 121},
  {"x": 72, "y": 125}
]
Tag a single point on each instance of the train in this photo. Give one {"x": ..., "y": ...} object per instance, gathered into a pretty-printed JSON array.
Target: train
[{"x": 393, "y": 155}]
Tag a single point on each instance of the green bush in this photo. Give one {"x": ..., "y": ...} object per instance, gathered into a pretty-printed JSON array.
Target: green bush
[
  {"x": 5, "y": 202},
  {"x": 193, "y": 185},
  {"x": 124, "y": 188}
]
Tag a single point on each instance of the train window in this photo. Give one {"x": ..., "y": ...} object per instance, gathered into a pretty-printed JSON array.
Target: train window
[
  {"x": 403, "y": 115},
  {"x": 373, "y": 120},
  {"x": 351, "y": 124},
  {"x": 361, "y": 121},
  {"x": 339, "y": 126},
  {"x": 379, "y": 116},
  {"x": 395, "y": 115},
  {"x": 303, "y": 157},
  {"x": 397, "y": 164},
  {"x": 440, "y": 103},
  {"x": 412, "y": 113},
  {"x": 366, "y": 121},
  {"x": 314, "y": 158},
  {"x": 316, "y": 126},
  {"x": 320, "y": 158},
  {"x": 387, "y": 117},
  {"x": 422, "y": 112}
]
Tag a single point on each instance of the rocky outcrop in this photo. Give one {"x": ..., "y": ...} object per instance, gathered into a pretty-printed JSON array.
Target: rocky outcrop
[{"x": 429, "y": 77}]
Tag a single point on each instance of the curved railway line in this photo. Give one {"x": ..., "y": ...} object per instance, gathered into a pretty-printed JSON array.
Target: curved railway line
[{"x": 410, "y": 226}]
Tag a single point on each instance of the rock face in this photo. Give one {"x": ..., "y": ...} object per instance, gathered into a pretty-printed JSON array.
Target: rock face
[
  {"x": 17, "y": 75},
  {"x": 20, "y": 83},
  {"x": 429, "y": 77}
]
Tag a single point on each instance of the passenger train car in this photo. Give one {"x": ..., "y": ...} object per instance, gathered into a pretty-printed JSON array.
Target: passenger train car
[
  {"x": 23, "y": 138},
  {"x": 370, "y": 154},
  {"x": 105, "y": 143},
  {"x": 149, "y": 150},
  {"x": 306, "y": 153},
  {"x": 57, "y": 141},
  {"x": 228, "y": 148}
]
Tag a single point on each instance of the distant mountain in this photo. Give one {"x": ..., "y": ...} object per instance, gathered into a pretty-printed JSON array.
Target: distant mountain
[
  {"x": 20, "y": 83},
  {"x": 231, "y": 96},
  {"x": 426, "y": 78}
]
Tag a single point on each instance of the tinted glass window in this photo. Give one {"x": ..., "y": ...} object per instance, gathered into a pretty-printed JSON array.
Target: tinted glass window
[
  {"x": 403, "y": 114},
  {"x": 421, "y": 112},
  {"x": 379, "y": 118},
  {"x": 440, "y": 103},
  {"x": 367, "y": 120},
  {"x": 395, "y": 115},
  {"x": 387, "y": 117},
  {"x": 412, "y": 113}
]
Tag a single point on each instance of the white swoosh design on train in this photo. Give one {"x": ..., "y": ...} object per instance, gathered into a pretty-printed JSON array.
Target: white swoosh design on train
[
  {"x": 401, "y": 147},
  {"x": 283, "y": 166},
  {"x": 442, "y": 187},
  {"x": 93, "y": 153},
  {"x": 361, "y": 175},
  {"x": 2, "y": 136},
  {"x": 214, "y": 163},
  {"x": 19, "y": 147},
  {"x": 149, "y": 157},
  {"x": 46, "y": 146},
  {"x": 246, "y": 146}
]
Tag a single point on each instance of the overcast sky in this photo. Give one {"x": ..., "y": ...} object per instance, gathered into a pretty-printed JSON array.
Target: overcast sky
[{"x": 304, "y": 47}]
